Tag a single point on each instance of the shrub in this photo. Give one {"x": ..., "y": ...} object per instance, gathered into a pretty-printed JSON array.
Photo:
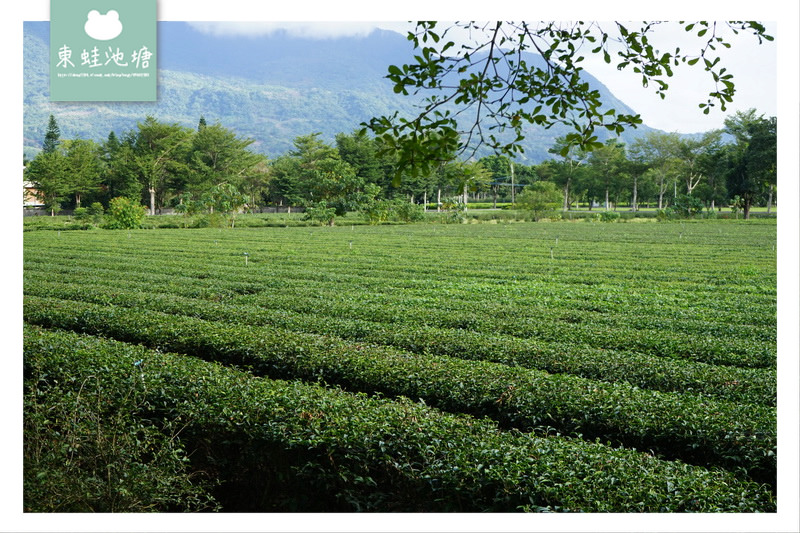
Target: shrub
[
  {"x": 290, "y": 446},
  {"x": 96, "y": 209},
  {"x": 645, "y": 370},
  {"x": 408, "y": 212},
  {"x": 210, "y": 220},
  {"x": 85, "y": 451},
  {"x": 321, "y": 214},
  {"x": 685, "y": 206},
  {"x": 609, "y": 216},
  {"x": 675, "y": 425},
  {"x": 89, "y": 215},
  {"x": 124, "y": 213},
  {"x": 378, "y": 211},
  {"x": 80, "y": 213}
]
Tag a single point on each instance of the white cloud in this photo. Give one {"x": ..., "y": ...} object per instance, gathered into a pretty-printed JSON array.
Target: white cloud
[
  {"x": 312, "y": 30},
  {"x": 754, "y": 68}
]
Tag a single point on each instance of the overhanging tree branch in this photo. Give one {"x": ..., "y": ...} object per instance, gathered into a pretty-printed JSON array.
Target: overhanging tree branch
[{"x": 503, "y": 85}]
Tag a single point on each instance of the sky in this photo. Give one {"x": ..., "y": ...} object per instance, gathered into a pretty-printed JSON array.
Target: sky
[
  {"x": 753, "y": 65},
  {"x": 754, "y": 69}
]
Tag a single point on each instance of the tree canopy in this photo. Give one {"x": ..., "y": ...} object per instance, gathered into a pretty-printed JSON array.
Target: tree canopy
[
  {"x": 752, "y": 167},
  {"x": 212, "y": 170},
  {"x": 479, "y": 91}
]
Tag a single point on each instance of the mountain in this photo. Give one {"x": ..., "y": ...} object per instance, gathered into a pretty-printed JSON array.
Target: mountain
[{"x": 270, "y": 88}]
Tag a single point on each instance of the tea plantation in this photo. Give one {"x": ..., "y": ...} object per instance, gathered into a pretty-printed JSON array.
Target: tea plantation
[{"x": 564, "y": 366}]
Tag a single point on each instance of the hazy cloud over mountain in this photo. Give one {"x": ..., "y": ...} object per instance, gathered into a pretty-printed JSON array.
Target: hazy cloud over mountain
[
  {"x": 309, "y": 30},
  {"x": 265, "y": 82}
]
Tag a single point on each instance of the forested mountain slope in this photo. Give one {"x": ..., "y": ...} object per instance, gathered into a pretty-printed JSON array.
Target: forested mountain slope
[{"x": 268, "y": 88}]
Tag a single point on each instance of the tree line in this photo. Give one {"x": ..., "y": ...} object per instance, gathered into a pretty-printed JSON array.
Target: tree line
[
  {"x": 210, "y": 168},
  {"x": 734, "y": 166}
]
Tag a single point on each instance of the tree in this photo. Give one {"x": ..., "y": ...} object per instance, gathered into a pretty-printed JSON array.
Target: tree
[
  {"x": 310, "y": 151},
  {"x": 753, "y": 158},
  {"x": 482, "y": 90},
  {"x": 762, "y": 152},
  {"x": 462, "y": 177},
  {"x": 539, "y": 197},
  {"x": 411, "y": 187},
  {"x": 572, "y": 158},
  {"x": 217, "y": 155},
  {"x": 660, "y": 152},
  {"x": 466, "y": 177},
  {"x": 499, "y": 169},
  {"x": 160, "y": 155},
  {"x": 636, "y": 170},
  {"x": 48, "y": 172},
  {"x": 361, "y": 152},
  {"x": 695, "y": 157},
  {"x": 284, "y": 185},
  {"x": 120, "y": 172},
  {"x": 335, "y": 183},
  {"x": 314, "y": 173},
  {"x": 255, "y": 182},
  {"x": 51, "y": 136},
  {"x": 225, "y": 199},
  {"x": 608, "y": 165},
  {"x": 83, "y": 167}
]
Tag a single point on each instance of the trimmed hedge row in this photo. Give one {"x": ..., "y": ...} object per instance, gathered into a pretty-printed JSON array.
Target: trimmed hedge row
[
  {"x": 288, "y": 446},
  {"x": 705, "y": 280},
  {"x": 506, "y": 251},
  {"x": 756, "y": 386},
  {"x": 608, "y": 307},
  {"x": 521, "y": 316},
  {"x": 664, "y": 303},
  {"x": 740, "y": 437},
  {"x": 599, "y": 322}
]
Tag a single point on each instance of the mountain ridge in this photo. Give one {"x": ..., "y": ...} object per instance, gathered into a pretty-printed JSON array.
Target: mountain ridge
[{"x": 268, "y": 88}]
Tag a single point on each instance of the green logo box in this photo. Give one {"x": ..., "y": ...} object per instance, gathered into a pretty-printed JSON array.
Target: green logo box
[{"x": 103, "y": 51}]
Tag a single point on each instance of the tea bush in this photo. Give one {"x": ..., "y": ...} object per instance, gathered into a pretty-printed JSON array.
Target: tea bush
[
  {"x": 87, "y": 450},
  {"x": 606, "y": 336},
  {"x": 695, "y": 429},
  {"x": 731, "y": 383},
  {"x": 287, "y": 446}
]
